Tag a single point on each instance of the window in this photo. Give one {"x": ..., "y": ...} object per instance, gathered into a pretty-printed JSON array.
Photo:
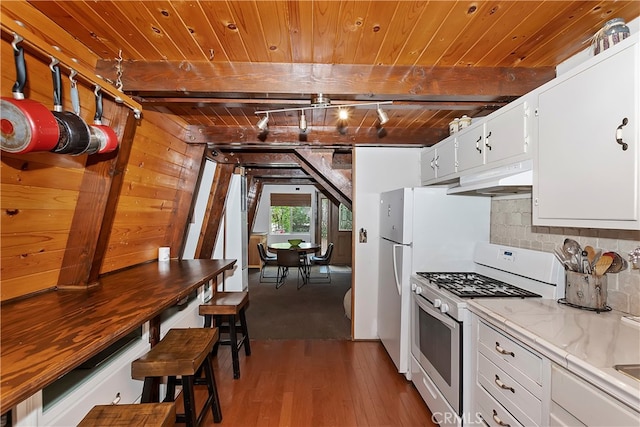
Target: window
[
  {"x": 345, "y": 219},
  {"x": 290, "y": 213}
]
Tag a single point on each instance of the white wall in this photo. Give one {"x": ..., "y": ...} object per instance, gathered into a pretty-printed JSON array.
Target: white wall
[
  {"x": 263, "y": 215},
  {"x": 374, "y": 170}
]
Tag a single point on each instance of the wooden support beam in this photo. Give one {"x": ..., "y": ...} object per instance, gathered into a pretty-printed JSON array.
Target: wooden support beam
[
  {"x": 320, "y": 136},
  {"x": 386, "y": 81},
  {"x": 93, "y": 215},
  {"x": 317, "y": 163},
  {"x": 215, "y": 211},
  {"x": 254, "y": 192},
  {"x": 124, "y": 124}
]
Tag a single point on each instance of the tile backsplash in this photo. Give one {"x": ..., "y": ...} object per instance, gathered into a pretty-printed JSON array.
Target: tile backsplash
[{"x": 511, "y": 225}]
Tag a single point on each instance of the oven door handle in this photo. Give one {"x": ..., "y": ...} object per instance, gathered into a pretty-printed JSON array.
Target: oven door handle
[
  {"x": 395, "y": 267},
  {"x": 433, "y": 312}
]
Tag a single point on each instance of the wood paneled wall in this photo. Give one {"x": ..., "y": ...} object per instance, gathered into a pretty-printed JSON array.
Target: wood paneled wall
[
  {"x": 161, "y": 174},
  {"x": 39, "y": 192}
]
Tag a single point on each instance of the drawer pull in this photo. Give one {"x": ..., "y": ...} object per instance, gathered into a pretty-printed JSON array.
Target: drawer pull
[
  {"x": 503, "y": 351},
  {"x": 498, "y": 420},
  {"x": 116, "y": 400},
  {"x": 503, "y": 385}
]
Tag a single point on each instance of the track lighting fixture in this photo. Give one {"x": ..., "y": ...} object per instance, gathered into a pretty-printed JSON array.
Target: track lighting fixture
[
  {"x": 319, "y": 102},
  {"x": 262, "y": 123},
  {"x": 382, "y": 116}
]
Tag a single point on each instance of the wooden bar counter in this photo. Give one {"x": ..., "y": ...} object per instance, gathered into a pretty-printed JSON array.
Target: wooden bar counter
[{"x": 45, "y": 336}]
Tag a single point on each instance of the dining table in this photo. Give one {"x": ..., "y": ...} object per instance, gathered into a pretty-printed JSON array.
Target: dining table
[{"x": 303, "y": 248}]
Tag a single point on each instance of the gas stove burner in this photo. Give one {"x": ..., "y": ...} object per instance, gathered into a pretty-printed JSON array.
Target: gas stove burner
[{"x": 474, "y": 285}]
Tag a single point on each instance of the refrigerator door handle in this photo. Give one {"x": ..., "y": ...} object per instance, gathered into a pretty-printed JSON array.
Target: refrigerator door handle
[{"x": 395, "y": 267}]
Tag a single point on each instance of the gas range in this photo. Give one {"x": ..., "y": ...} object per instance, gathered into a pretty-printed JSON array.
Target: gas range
[
  {"x": 497, "y": 271},
  {"x": 475, "y": 285}
]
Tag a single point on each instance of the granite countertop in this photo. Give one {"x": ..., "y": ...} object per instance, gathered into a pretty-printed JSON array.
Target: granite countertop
[{"x": 586, "y": 343}]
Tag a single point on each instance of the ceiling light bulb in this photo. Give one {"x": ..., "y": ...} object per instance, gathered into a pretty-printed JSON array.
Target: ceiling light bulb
[
  {"x": 262, "y": 123},
  {"x": 382, "y": 116},
  {"x": 343, "y": 114},
  {"x": 303, "y": 122}
]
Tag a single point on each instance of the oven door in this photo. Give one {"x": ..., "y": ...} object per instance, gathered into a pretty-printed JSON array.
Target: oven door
[{"x": 436, "y": 345}]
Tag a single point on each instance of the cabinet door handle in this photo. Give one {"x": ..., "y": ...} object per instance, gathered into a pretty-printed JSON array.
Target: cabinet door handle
[
  {"x": 503, "y": 385},
  {"x": 486, "y": 142},
  {"x": 478, "y": 144},
  {"x": 625, "y": 121},
  {"x": 503, "y": 351},
  {"x": 498, "y": 420}
]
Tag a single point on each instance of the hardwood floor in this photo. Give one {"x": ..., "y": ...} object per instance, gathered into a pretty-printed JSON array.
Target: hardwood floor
[{"x": 316, "y": 383}]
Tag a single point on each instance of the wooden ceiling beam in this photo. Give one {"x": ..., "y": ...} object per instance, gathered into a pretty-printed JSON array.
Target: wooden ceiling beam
[
  {"x": 279, "y": 136},
  {"x": 364, "y": 82}
]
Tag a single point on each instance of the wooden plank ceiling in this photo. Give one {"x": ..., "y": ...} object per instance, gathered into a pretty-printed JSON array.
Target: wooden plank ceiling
[{"x": 213, "y": 64}]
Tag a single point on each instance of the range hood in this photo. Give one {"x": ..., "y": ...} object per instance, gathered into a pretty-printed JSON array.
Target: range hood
[{"x": 511, "y": 179}]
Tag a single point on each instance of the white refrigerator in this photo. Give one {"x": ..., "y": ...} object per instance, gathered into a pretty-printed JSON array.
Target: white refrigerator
[{"x": 421, "y": 229}]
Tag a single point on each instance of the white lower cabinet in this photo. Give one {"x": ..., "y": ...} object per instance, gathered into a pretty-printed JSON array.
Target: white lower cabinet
[
  {"x": 576, "y": 402},
  {"x": 509, "y": 380}
]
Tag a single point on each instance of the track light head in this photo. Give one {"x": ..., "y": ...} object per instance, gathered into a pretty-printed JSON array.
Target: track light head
[
  {"x": 303, "y": 122},
  {"x": 263, "y": 122},
  {"x": 382, "y": 115},
  {"x": 343, "y": 114}
]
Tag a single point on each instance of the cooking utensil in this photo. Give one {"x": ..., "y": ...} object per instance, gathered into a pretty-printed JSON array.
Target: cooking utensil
[
  {"x": 562, "y": 258},
  {"x": 618, "y": 263},
  {"x": 94, "y": 144},
  {"x": 106, "y": 136},
  {"x": 74, "y": 132},
  {"x": 26, "y": 125},
  {"x": 572, "y": 249},
  {"x": 586, "y": 265},
  {"x": 591, "y": 254},
  {"x": 603, "y": 264}
]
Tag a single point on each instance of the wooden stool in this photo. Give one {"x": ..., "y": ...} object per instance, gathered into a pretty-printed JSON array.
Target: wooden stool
[
  {"x": 143, "y": 415},
  {"x": 184, "y": 353},
  {"x": 226, "y": 308}
]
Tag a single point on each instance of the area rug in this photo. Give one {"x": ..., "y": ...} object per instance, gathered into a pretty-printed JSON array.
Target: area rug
[{"x": 315, "y": 311}]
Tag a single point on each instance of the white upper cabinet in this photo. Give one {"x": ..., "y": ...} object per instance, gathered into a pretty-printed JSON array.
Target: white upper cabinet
[
  {"x": 507, "y": 132},
  {"x": 438, "y": 161},
  {"x": 583, "y": 176},
  {"x": 471, "y": 150}
]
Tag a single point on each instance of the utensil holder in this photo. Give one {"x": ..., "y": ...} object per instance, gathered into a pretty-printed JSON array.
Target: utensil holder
[{"x": 586, "y": 290}]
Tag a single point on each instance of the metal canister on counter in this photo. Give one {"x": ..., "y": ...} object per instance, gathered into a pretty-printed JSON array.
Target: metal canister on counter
[
  {"x": 454, "y": 126},
  {"x": 465, "y": 121}
]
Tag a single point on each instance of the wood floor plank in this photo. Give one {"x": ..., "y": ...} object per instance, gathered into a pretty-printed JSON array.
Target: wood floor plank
[{"x": 315, "y": 383}]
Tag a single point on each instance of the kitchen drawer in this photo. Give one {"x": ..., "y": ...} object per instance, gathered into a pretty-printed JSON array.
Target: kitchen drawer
[
  {"x": 489, "y": 410},
  {"x": 497, "y": 346},
  {"x": 588, "y": 403},
  {"x": 523, "y": 405}
]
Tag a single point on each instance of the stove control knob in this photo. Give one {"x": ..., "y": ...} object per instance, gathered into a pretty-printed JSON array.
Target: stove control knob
[
  {"x": 418, "y": 290},
  {"x": 444, "y": 308},
  {"x": 437, "y": 302},
  {"x": 413, "y": 287}
]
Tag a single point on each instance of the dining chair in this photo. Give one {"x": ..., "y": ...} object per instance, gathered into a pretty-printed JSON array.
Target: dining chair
[
  {"x": 324, "y": 260},
  {"x": 286, "y": 259},
  {"x": 267, "y": 260}
]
